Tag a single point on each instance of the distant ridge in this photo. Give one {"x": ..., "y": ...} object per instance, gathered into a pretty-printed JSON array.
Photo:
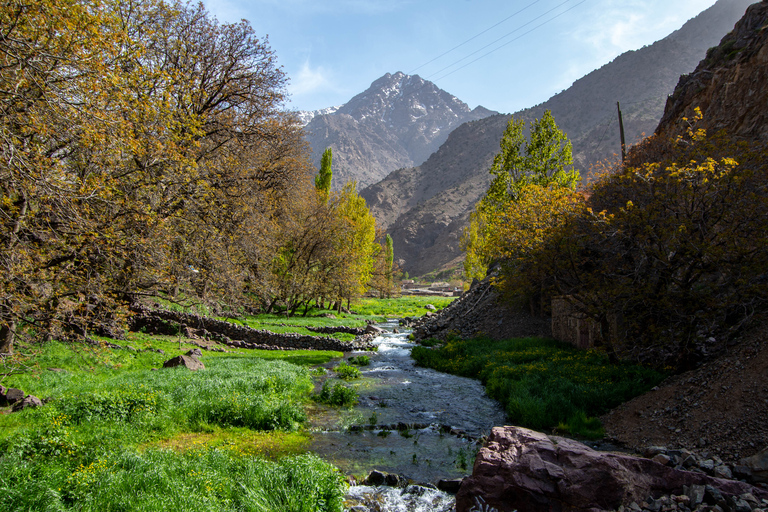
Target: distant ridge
[
  {"x": 397, "y": 122},
  {"x": 425, "y": 208}
]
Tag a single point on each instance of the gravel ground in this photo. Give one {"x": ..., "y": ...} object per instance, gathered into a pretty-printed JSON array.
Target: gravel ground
[{"x": 720, "y": 408}]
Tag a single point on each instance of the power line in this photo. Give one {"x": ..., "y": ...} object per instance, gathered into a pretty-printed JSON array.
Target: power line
[
  {"x": 499, "y": 39},
  {"x": 508, "y": 42},
  {"x": 474, "y": 37}
]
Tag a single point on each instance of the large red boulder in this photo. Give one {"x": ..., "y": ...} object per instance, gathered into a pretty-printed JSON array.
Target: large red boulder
[{"x": 519, "y": 469}]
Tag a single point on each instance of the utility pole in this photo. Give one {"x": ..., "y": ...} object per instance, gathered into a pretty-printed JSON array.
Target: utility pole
[{"x": 621, "y": 131}]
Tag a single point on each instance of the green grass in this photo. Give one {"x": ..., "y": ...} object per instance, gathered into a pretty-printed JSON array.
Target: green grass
[
  {"x": 337, "y": 395},
  {"x": 400, "y": 307},
  {"x": 112, "y": 414},
  {"x": 347, "y": 372},
  {"x": 165, "y": 480},
  {"x": 542, "y": 383},
  {"x": 360, "y": 360}
]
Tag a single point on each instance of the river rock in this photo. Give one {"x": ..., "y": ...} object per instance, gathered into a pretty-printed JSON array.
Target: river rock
[
  {"x": 10, "y": 396},
  {"x": 376, "y": 478},
  {"x": 450, "y": 486},
  {"x": 372, "y": 329},
  {"x": 523, "y": 470},
  {"x": 758, "y": 465},
  {"x": 27, "y": 402},
  {"x": 189, "y": 362}
]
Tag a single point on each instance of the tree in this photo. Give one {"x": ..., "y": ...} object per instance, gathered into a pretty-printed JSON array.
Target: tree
[
  {"x": 674, "y": 244},
  {"x": 544, "y": 160},
  {"x": 138, "y": 138},
  {"x": 389, "y": 260},
  {"x": 325, "y": 175}
]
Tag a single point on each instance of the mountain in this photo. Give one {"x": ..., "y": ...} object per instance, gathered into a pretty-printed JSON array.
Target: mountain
[
  {"x": 425, "y": 208},
  {"x": 397, "y": 122},
  {"x": 730, "y": 85}
]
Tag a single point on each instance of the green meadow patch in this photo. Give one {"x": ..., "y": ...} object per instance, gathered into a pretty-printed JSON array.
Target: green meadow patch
[
  {"x": 121, "y": 433},
  {"x": 542, "y": 383}
]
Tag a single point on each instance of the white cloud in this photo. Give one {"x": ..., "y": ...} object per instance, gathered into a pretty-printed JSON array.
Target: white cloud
[
  {"x": 618, "y": 26},
  {"x": 309, "y": 81}
]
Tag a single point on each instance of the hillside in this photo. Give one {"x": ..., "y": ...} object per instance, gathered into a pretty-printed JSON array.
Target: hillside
[
  {"x": 397, "y": 122},
  {"x": 426, "y": 207}
]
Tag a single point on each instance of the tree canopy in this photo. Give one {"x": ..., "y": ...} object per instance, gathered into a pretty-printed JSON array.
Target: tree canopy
[
  {"x": 145, "y": 149},
  {"x": 523, "y": 172}
]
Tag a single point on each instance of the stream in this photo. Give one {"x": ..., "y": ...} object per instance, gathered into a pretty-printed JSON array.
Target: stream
[{"x": 416, "y": 422}]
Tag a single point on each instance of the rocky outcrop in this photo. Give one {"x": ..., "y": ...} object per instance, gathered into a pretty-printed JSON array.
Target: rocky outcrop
[
  {"x": 479, "y": 312},
  {"x": 730, "y": 85},
  {"x": 521, "y": 470},
  {"x": 238, "y": 336}
]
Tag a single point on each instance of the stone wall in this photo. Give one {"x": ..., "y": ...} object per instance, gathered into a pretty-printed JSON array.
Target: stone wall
[
  {"x": 572, "y": 326},
  {"x": 242, "y": 336}
]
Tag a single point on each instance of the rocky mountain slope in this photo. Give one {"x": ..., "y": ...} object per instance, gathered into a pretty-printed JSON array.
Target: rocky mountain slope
[
  {"x": 730, "y": 85},
  {"x": 722, "y": 406},
  {"x": 425, "y": 208},
  {"x": 397, "y": 122}
]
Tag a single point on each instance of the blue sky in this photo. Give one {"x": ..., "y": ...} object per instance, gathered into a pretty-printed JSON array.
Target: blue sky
[{"x": 333, "y": 49}]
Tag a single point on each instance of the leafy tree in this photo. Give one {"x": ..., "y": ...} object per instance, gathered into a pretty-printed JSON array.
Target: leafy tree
[
  {"x": 325, "y": 175},
  {"x": 138, "y": 139},
  {"x": 544, "y": 160},
  {"x": 389, "y": 259},
  {"x": 673, "y": 244}
]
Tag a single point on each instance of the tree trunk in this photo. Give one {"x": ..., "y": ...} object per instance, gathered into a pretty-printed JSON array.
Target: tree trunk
[{"x": 7, "y": 334}]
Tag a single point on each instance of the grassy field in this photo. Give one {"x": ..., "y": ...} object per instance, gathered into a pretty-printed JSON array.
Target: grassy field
[
  {"x": 544, "y": 384},
  {"x": 118, "y": 435},
  {"x": 121, "y": 433}
]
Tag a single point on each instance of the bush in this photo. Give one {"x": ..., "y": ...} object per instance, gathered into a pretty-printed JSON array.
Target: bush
[
  {"x": 337, "y": 395},
  {"x": 360, "y": 360},
  {"x": 346, "y": 372}
]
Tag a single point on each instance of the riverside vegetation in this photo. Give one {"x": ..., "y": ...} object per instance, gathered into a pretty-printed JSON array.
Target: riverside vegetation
[
  {"x": 116, "y": 435},
  {"x": 542, "y": 383}
]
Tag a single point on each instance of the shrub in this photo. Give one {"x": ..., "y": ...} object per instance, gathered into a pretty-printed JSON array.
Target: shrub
[
  {"x": 346, "y": 372},
  {"x": 360, "y": 360},
  {"x": 337, "y": 395}
]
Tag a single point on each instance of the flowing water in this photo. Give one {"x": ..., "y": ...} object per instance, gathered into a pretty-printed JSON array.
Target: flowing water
[{"x": 411, "y": 421}]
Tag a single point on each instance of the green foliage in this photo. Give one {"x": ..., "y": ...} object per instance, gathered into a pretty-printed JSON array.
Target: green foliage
[
  {"x": 337, "y": 395},
  {"x": 347, "y": 372},
  {"x": 360, "y": 360},
  {"x": 544, "y": 161},
  {"x": 325, "y": 175},
  {"x": 543, "y": 383},
  {"x": 200, "y": 480}
]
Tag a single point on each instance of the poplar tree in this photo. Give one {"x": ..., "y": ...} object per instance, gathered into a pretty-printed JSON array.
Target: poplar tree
[
  {"x": 324, "y": 177},
  {"x": 389, "y": 260}
]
